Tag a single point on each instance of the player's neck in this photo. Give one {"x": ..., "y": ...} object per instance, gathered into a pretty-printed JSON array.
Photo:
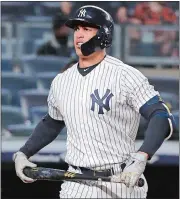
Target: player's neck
[{"x": 91, "y": 60}]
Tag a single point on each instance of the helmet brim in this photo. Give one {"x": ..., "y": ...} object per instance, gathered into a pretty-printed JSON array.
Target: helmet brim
[{"x": 72, "y": 23}]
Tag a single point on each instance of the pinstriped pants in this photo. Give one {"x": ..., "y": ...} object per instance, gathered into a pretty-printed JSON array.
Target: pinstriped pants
[{"x": 93, "y": 189}]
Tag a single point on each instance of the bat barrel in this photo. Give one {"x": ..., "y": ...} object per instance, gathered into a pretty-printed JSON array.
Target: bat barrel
[{"x": 41, "y": 173}]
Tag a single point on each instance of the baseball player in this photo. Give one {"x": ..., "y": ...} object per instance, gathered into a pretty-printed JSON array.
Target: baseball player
[{"x": 100, "y": 100}]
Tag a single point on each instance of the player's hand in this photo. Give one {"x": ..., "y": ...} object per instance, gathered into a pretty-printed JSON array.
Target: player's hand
[
  {"x": 134, "y": 168},
  {"x": 21, "y": 162}
]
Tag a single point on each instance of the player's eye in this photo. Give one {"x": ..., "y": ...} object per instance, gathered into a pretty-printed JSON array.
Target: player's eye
[
  {"x": 76, "y": 28},
  {"x": 87, "y": 29}
]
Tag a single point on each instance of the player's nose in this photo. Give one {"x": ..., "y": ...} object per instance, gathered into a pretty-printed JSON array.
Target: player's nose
[{"x": 79, "y": 36}]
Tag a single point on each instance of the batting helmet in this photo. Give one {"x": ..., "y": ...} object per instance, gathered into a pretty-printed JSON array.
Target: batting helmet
[{"x": 94, "y": 16}]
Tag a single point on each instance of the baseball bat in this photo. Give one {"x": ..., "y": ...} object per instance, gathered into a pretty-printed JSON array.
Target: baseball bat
[{"x": 41, "y": 173}]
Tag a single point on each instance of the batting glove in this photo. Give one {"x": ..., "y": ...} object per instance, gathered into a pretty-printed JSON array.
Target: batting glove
[
  {"x": 21, "y": 162},
  {"x": 134, "y": 168}
]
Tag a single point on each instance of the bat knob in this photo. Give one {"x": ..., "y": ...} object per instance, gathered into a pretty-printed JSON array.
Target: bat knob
[{"x": 140, "y": 182}]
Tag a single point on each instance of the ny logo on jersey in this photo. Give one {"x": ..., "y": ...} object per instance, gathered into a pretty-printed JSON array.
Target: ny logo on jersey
[
  {"x": 96, "y": 99},
  {"x": 82, "y": 13}
]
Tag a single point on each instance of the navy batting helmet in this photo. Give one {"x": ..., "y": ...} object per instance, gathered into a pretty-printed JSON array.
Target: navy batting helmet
[{"x": 94, "y": 16}]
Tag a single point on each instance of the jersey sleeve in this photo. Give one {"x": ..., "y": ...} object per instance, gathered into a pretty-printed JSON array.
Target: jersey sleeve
[
  {"x": 53, "y": 108},
  {"x": 138, "y": 89}
]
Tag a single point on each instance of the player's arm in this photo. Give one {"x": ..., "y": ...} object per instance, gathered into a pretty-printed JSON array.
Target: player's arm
[
  {"x": 142, "y": 97},
  {"x": 44, "y": 133},
  {"x": 160, "y": 125}
]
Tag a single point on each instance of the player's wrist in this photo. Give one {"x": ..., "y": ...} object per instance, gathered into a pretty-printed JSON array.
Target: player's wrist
[
  {"x": 139, "y": 156},
  {"x": 144, "y": 154},
  {"x": 19, "y": 153}
]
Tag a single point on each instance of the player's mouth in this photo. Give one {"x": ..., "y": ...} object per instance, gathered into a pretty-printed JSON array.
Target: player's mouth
[{"x": 78, "y": 44}]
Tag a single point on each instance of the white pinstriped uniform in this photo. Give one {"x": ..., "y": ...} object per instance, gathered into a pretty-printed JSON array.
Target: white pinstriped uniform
[{"x": 101, "y": 113}]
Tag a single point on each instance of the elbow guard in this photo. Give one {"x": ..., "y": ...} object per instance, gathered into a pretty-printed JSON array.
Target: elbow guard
[{"x": 156, "y": 107}]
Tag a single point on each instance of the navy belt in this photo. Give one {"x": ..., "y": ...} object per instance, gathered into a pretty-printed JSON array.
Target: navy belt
[{"x": 101, "y": 173}]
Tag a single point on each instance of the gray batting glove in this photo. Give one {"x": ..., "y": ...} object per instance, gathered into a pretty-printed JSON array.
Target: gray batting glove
[
  {"x": 134, "y": 168},
  {"x": 21, "y": 162}
]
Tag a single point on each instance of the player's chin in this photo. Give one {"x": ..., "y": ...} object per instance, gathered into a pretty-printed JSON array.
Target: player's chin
[{"x": 78, "y": 52}]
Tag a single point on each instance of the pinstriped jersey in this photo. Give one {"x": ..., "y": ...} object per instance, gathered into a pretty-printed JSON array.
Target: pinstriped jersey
[{"x": 100, "y": 110}]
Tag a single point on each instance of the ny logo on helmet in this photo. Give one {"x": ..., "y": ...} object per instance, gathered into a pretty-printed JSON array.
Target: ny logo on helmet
[
  {"x": 82, "y": 13},
  {"x": 96, "y": 99}
]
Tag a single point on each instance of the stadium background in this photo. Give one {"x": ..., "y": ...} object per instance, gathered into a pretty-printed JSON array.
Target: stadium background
[{"x": 146, "y": 37}]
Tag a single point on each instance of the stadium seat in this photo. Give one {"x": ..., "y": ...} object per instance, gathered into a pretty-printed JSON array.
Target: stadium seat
[
  {"x": 23, "y": 130},
  {"x": 5, "y": 18},
  {"x": 146, "y": 49},
  {"x": 28, "y": 47},
  {"x": 16, "y": 82},
  {"x": 49, "y": 8},
  {"x": 165, "y": 84},
  {"x": 6, "y": 65},
  {"x": 36, "y": 19},
  {"x": 44, "y": 64},
  {"x": 32, "y": 98},
  {"x": 38, "y": 30},
  {"x": 17, "y": 8},
  {"x": 44, "y": 80},
  {"x": 38, "y": 112},
  {"x": 11, "y": 115},
  {"x": 6, "y": 97}
]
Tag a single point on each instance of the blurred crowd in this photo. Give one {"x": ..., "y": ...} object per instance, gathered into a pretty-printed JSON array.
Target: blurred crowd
[
  {"x": 157, "y": 43},
  {"x": 151, "y": 13}
]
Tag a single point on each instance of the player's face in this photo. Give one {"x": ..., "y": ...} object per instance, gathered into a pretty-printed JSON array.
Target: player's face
[{"x": 82, "y": 34}]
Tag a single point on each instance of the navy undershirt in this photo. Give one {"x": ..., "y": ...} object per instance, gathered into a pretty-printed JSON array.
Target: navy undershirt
[{"x": 85, "y": 71}]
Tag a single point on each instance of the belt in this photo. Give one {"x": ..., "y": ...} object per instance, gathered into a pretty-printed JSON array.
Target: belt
[{"x": 101, "y": 173}]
